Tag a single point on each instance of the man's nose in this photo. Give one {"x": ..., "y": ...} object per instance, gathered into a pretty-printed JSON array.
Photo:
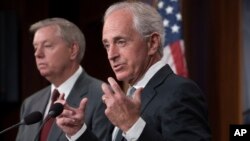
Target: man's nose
[
  {"x": 113, "y": 52},
  {"x": 39, "y": 52}
]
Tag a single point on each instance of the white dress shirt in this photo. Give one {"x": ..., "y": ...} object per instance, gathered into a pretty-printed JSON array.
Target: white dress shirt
[
  {"x": 65, "y": 89},
  {"x": 135, "y": 131}
]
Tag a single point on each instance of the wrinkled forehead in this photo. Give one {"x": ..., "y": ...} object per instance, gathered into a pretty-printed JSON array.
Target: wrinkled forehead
[
  {"x": 118, "y": 22},
  {"x": 49, "y": 29}
]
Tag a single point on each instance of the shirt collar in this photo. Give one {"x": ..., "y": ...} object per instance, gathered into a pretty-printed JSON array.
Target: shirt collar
[
  {"x": 149, "y": 74},
  {"x": 67, "y": 86}
]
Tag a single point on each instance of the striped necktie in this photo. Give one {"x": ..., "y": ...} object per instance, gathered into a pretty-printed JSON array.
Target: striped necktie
[{"x": 131, "y": 91}]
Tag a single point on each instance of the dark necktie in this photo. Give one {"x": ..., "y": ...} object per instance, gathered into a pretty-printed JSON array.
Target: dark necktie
[
  {"x": 46, "y": 127},
  {"x": 130, "y": 94}
]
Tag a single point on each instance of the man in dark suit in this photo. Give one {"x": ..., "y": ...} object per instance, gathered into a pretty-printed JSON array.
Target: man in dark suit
[
  {"x": 59, "y": 48},
  {"x": 164, "y": 106}
]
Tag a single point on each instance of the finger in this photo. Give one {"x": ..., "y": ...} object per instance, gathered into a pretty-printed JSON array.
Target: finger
[
  {"x": 67, "y": 121},
  {"x": 103, "y": 99},
  {"x": 114, "y": 85},
  {"x": 83, "y": 103},
  {"x": 137, "y": 95},
  {"x": 69, "y": 108},
  {"x": 61, "y": 97},
  {"x": 59, "y": 120},
  {"x": 81, "y": 106},
  {"x": 107, "y": 90},
  {"x": 66, "y": 113}
]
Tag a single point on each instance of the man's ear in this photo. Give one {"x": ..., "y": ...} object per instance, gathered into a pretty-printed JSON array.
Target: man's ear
[
  {"x": 154, "y": 43},
  {"x": 74, "y": 51}
]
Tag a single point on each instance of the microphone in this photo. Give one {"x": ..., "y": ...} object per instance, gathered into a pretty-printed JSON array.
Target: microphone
[
  {"x": 54, "y": 111},
  {"x": 32, "y": 118}
]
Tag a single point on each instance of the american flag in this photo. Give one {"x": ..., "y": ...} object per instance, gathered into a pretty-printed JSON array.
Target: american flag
[{"x": 174, "y": 51}]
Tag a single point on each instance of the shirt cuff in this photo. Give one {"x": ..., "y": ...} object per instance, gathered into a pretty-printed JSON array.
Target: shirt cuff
[
  {"x": 135, "y": 131},
  {"x": 78, "y": 134}
]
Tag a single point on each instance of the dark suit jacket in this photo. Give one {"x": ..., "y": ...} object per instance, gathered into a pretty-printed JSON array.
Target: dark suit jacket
[
  {"x": 85, "y": 86},
  {"x": 174, "y": 110}
]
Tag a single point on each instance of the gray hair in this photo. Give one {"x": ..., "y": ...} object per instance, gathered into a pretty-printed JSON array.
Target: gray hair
[
  {"x": 67, "y": 30},
  {"x": 146, "y": 19}
]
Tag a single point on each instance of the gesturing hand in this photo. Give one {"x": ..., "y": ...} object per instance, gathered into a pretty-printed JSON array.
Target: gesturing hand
[
  {"x": 72, "y": 119},
  {"x": 121, "y": 110}
]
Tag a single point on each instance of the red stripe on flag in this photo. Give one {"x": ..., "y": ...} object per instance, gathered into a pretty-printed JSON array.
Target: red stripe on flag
[{"x": 179, "y": 59}]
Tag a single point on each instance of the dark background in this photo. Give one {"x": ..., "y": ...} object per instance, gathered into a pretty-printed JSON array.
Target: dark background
[{"x": 212, "y": 34}]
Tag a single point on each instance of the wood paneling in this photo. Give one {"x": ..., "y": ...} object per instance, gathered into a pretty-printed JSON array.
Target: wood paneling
[{"x": 213, "y": 40}]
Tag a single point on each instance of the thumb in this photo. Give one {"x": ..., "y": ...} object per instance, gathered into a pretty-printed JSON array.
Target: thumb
[
  {"x": 137, "y": 95},
  {"x": 83, "y": 104}
]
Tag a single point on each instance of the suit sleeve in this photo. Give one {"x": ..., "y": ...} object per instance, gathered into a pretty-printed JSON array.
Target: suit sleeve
[
  {"x": 20, "y": 130},
  {"x": 98, "y": 124},
  {"x": 98, "y": 131},
  {"x": 88, "y": 136},
  {"x": 181, "y": 118}
]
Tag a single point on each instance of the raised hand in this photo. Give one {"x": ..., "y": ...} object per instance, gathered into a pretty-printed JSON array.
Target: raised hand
[
  {"x": 72, "y": 119},
  {"x": 121, "y": 110}
]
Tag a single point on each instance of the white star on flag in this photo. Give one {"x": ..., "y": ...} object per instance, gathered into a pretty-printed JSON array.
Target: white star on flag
[
  {"x": 165, "y": 23},
  {"x": 175, "y": 28},
  {"x": 169, "y": 10},
  {"x": 174, "y": 51},
  {"x": 178, "y": 17}
]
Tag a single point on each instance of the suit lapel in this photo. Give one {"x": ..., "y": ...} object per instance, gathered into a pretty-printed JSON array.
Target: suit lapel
[
  {"x": 149, "y": 90},
  {"x": 78, "y": 91},
  {"x": 40, "y": 105},
  {"x": 119, "y": 136},
  {"x": 44, "y": 100},
  {"x": 74, "y": 98}
]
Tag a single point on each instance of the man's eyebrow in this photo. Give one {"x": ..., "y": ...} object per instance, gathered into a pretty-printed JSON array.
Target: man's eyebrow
[
  {"x": 118, "y": 38},
  {"x": 114, "y": 39},
  {"x": 104, "y": 40}
]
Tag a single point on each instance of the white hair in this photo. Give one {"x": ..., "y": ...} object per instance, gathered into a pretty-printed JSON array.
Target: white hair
[
  {"x": 146, "y": 19},
  {"x": 67, "y": 30}
]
